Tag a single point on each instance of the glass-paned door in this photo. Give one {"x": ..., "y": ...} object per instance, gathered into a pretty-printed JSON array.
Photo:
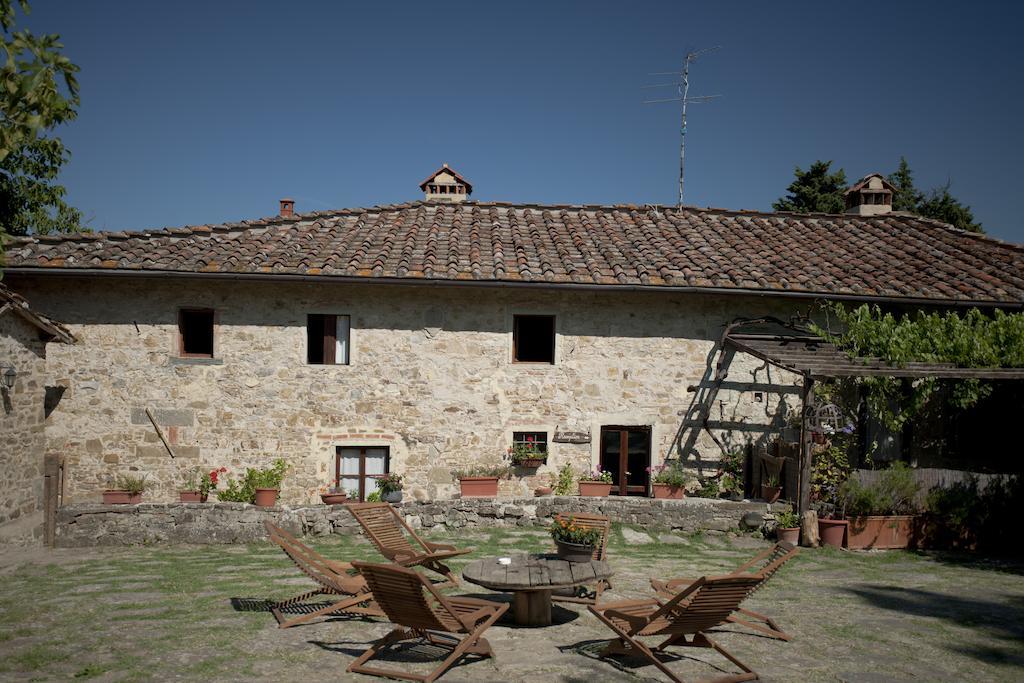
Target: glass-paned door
[
  {"x": 626, "y": 453},
  {"x": 358, "y": 467}
]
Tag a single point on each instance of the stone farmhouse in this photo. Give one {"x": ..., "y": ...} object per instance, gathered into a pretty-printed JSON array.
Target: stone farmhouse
[{"x": 428, "y": 336}]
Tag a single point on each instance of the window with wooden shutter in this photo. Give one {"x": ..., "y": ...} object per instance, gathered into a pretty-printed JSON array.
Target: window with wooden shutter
[{"x": 327, "y": 339}]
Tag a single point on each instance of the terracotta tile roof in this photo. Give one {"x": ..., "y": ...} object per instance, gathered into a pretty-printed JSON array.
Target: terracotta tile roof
[
  {"x": 13, "y": 302},
  {"x": 891, "y": 255}
]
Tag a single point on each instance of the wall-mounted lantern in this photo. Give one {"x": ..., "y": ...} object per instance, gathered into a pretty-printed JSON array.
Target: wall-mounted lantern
[{"x": 8, "y": 375}]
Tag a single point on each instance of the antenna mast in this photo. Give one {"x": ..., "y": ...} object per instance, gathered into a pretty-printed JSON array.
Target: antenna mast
[{"x": 683, "y": 87}]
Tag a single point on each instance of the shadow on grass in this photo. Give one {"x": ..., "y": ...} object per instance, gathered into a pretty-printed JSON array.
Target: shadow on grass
[
  {"x": 634, "y": 664},
  {"x": 1002, "y": 622},
  {"x": 1005, "y": 565},
  {"x": 410, "y": 652}
]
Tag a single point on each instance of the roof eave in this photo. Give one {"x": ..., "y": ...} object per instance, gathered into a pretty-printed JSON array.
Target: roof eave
[{"x": 533, "y": 284}]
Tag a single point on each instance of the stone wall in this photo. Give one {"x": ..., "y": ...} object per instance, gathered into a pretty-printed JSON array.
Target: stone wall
[
  {"x": 22, "y": 416},
  {"x": 214, "y": 523},
  {"x": 430, "y": 378}
]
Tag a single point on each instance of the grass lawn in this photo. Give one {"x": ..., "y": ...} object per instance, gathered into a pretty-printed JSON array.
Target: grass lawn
[{"x": 188, "y": 613}]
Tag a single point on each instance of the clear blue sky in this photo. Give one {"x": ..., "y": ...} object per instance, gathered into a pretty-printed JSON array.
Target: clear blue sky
[{"x": 202, "y": 112}]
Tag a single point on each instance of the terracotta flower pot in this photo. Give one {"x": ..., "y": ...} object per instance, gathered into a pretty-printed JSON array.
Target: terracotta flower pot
[
  {"x": 542, "y": 491},
  {"x": 574, "y": 552},
  {"x": 771, "y": 493},
  {"x": 668, "y": 491},
  {"x": 788, "y": 534},
  {"x": 880, "y": 531},
  {"x": 191, "y": 497},
  {"x": 531, "y": 463},
  {"x": 595, "y": 489},
  {"x": 334, "y": 498},
  {"x": 118, "y": 497},
  {"x": 478, "y": 487},
  {"x": 832, "y": 532},
  {"x": 266, "y": 498}
]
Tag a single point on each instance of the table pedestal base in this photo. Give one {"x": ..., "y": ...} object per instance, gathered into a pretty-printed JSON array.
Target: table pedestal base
[{"x": 532, "y": 608}]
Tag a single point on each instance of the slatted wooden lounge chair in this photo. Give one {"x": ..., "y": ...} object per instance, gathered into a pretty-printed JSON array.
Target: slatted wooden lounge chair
[
  {"x": 588, "y": 595},
  {"x": 333, "y": 579},
  {"x": 765, "y": 564},
  {"x": 420, "y": 611},
  {"x": 702, "y": 605},
  {"x": 389, "y": 532}
]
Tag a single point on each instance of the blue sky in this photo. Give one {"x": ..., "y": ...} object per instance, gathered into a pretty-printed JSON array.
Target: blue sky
[{"x": 202, "y": 112}]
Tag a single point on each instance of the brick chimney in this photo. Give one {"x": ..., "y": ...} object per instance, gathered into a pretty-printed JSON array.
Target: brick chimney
[
  {"x": 870, "y": 196},
  {"x": 287, "y": 207}
]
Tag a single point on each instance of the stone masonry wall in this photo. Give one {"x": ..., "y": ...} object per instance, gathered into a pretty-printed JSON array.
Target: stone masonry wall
[
  {"x": 207, "y": 523},
  {"x": 22, "y": 435},
  {"x": 430, "y": 377}
]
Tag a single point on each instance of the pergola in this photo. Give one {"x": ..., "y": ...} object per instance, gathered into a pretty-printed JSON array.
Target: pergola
[{"x": 798, "y": 350}]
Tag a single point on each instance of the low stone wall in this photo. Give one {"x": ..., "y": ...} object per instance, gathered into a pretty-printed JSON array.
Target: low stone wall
[{"x": 95, "y": 525}]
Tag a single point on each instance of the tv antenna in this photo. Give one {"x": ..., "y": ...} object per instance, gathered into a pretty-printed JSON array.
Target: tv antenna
[{"x": 683, "y": 87}]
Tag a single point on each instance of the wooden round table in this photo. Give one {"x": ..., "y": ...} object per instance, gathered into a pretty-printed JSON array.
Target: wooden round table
[{"x": 531, "y": 578}]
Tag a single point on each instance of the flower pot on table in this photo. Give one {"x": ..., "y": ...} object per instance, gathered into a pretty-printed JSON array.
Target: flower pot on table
[{"x": 574, "y": 552}]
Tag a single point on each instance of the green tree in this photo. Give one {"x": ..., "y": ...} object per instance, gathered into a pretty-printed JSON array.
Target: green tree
[
  {"x": 816, "y": 190},
  {"x": 943, "y": 206},
  {"x": 907, "y": 197},
  {"x": 38, "y": 91}
]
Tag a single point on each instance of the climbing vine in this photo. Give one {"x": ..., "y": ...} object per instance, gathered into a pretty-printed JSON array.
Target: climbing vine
[{"x": 971, "y": 340}]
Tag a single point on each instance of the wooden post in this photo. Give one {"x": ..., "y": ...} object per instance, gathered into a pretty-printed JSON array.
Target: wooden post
[
  {"x": 51, "y": 496},
  {"x": 807, "y": 398}
]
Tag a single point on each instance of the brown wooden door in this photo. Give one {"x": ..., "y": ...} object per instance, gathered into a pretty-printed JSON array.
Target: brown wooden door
[{"x": 626, "y": 453}]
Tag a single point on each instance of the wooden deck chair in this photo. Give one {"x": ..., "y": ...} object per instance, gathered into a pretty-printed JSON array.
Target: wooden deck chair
[
  {"x": 702, "y": 605},
  {"x": 587, "y": 595},
  {"x": 765, "y": 564},
  {"x": 332, "y": 578},
  {"x": 389, "y": 532},
  {"x": 420, "y": 611}
]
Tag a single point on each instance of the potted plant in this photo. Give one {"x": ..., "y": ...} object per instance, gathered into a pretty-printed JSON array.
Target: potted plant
[
  {"x": 670, "y": 481},
  {"x": 126, "y": 490},
  {"x": 830, "y": 468},
  {"x": 771, "y": 489},
  {"x": 527, "y": 454},
  {"x": 198, "y": 483},
  {"x": 333, "y": 494},
  {"x": 480, "y": 481},
  {"x": 597, "y": 483},
  {"x": 257, "y": 486},
  {"x": 574, "y": 543},
  {"x": 730, "y": 479},
  {"x": 390, "y": 487},
  {"x": 881, "y": 514},
  {"x": 788, "y": 527}
]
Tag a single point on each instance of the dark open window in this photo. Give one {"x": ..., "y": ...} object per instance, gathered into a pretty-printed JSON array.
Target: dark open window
[
  {"x": 195, "y": 333},
  {"x": 327, "y": 339},
  {"x": 533, "y": 339}
]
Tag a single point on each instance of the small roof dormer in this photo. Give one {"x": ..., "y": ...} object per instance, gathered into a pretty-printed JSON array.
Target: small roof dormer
[
  {"x": 446, "y": 185},
  {"x": 870, "y": 196}
]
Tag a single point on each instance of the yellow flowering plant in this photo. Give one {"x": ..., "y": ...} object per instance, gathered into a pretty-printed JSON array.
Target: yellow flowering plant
[{"x": 567, "y": 531}]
